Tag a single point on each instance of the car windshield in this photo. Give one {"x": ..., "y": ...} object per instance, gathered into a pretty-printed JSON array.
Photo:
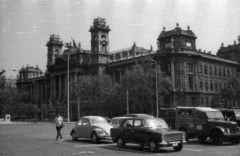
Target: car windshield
[
  {"x": 98, "y": 120},
  {"x": 155, "y": 123},
  {"x": 215, "y": 115},
  {"x": 237, "y": 113}
]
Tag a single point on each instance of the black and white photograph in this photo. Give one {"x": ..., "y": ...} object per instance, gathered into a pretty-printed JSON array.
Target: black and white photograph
[{"x": 119, "y": 77}]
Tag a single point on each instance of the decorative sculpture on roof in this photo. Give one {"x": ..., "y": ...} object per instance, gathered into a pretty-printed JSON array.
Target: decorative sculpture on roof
[{"x": 177, "y": 24}]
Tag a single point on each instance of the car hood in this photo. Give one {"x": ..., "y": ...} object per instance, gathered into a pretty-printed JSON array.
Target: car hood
[
  {"x": 105, "y": 127},
  {"x": 222, "y": 123}
]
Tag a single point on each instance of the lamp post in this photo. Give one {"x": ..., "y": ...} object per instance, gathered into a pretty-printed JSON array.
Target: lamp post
[
  {"x": 156, "y": 67},
  {"x": 68, "y": 90}
]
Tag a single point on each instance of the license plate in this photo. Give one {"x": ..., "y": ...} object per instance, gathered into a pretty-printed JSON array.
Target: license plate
[{"x": 175, "y": 144}]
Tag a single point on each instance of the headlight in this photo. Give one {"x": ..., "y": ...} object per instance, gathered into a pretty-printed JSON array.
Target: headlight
[{"x": 226, "y": 130}]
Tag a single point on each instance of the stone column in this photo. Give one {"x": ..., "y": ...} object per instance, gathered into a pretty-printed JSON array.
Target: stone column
[
  {"x": 54, "y": 87},
  {"x": 114, "y": 77},
  {"x": 51, "y": 88},
  {"x": 173, "y": 75},
  {"x": 120, "y": 76},
  {"x": 75, "y": 77},
  {"x": 60, "y": 86}
]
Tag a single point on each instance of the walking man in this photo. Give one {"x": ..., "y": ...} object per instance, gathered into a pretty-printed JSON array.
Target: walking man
[{"x": 58, "y": 121}]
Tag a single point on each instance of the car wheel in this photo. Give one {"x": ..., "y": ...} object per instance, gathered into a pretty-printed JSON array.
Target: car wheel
[
  {"x": 95, "y": 138},
  {"x": 153, "y": 146},
  {"x": 186, "y": 134},
  {"x": 235, "y": 141},
  {"x": 216, "y": 138},
  {"x": 179, "y": 147},
  {"x": 120, "y": 142},
  {"x": 74, "y": 136},
  {"x": 201, "y": 139}
]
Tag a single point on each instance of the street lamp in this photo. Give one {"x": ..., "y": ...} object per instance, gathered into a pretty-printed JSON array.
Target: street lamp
[
  {"x": 68, "y": 90},
  {"x": 156, "y": 67}
]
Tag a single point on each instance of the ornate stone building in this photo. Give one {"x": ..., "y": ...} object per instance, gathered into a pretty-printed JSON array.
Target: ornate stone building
[{"x": 196, "y": 75}]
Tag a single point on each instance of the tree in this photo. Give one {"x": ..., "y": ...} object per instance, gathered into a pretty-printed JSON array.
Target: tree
[
  {"x": 95, "y": 92},
  {"x": 140, "y": 81},
  {"x": 231, "y": 92}
]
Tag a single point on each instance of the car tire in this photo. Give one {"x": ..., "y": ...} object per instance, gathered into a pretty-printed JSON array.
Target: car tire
[
  {"x": 179, "y": 147},
  {"x": 216, "y": 138},
  {"x": 95, "y": 138},
  {"x": 201, "y": 139},
  {"x": 74, "y": 136},
  {"x": 120, "y": 142},
  {"x": 154, "y": 146},
  {"x": 186, "y": 134}
]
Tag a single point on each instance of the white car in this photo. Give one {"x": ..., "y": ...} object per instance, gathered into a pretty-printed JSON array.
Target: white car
[{"x": 93, "y": 127}]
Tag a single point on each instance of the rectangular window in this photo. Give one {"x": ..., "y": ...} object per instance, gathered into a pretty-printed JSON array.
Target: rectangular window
[
  {"x": 188, "y": 44},
  {"x": 201, "y": 85},
  {"x": 216, "y": 87},
  {"x": 167, "y": 45},
  {"x": 206, "y": 86},
  {"x": 190, "y": 67}
]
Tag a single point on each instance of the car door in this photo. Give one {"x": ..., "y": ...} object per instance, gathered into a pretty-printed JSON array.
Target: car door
[
  {"x": 138, "y": 132},
  {"x": 78, "y": 127},
  {"x": 200, "y": 123},
  {"x": 127, "y": 130},
  {"x": 84, "y": 130}
]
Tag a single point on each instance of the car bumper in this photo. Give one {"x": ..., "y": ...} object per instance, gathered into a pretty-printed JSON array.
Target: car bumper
[
  {"x": 227, "y": 136},
  {"x": 170, "y": 143},
  {"x": 105, "y": 137}
]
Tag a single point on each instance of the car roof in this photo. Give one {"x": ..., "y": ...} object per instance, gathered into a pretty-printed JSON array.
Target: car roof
[
  {"x": 120, "y": 117},
  {"x": 92, "y": 116},
  {"x": 202, "y": 109},
  {"x": 137, "y": 115},
  {"x": 145, "y": 118}
]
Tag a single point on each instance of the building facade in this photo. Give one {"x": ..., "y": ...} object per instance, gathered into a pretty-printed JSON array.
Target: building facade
[{"x": 196, "y": 75}]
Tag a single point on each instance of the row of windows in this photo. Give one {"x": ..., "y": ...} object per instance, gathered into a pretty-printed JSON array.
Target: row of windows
[{"x": 214, "y": 71}]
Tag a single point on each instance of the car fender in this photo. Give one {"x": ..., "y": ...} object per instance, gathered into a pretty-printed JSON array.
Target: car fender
[
  {"x": 216, "y": 128},
  {"x": 96, "y": 130},
  {"x": 74, "y": 130}
]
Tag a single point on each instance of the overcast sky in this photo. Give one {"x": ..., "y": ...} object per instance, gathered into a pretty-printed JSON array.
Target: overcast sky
[{"x": 26, "y": 25}]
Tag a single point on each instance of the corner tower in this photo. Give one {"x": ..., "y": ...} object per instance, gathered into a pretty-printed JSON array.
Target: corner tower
[
  {"x": 54, "y": 49},
  {"x": 175, "y": 40},
  {"x": 99, "y": 44}
]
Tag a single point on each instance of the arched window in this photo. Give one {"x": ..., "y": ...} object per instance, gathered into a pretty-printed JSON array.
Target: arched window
[
  {"x": 215, "y": 70},
  {"x": 210, "y": 70},
  {"x": 220, "y": 72},
  {"x": 200, "y": 68},
  {"x": 205, "y": 69},
  {"x": 224, "y": 72}
]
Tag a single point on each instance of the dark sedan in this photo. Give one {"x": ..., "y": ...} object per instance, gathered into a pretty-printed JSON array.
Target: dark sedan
[{"x": 147, "y": 131}]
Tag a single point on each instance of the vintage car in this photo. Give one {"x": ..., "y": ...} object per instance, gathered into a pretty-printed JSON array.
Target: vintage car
[
  {"x": 147, "y": 131},
  {"x": 202, "y": 122},
  {"x": 93, "y": 127},
  {"x": 115, "y": 122},
  {"x": 137, "y": 115}
]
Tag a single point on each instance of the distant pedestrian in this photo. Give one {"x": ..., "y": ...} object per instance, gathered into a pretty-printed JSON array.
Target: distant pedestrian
[{"x": 58, "y": 121}]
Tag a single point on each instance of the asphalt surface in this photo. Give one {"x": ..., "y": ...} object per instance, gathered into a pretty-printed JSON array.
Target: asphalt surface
[{"x": 38, "y": 139}]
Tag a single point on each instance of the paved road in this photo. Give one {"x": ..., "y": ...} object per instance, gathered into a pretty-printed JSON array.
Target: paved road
[{"x": 36, "y": 139}]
